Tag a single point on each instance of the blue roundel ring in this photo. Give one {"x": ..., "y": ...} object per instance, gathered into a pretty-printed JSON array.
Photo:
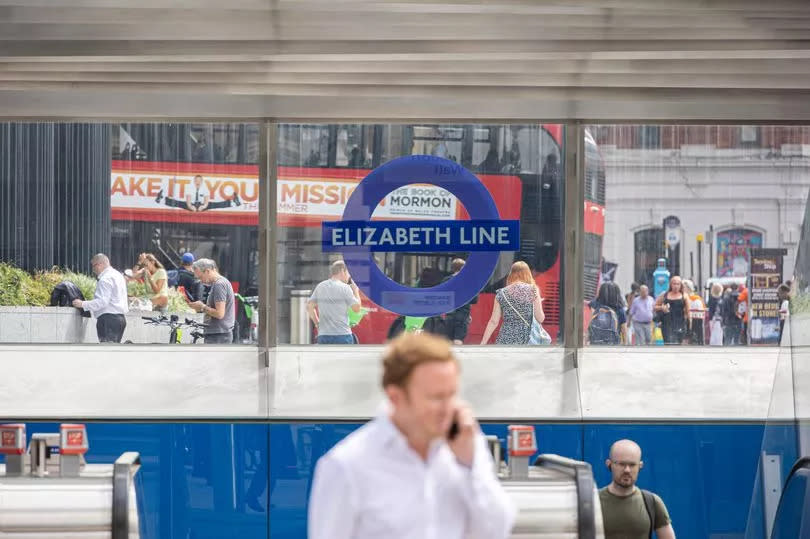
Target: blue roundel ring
[{"x": 447, "y": 175}]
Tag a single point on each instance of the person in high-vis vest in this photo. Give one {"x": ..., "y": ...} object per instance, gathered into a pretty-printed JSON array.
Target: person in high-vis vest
[{"x": 697, "y": 313}]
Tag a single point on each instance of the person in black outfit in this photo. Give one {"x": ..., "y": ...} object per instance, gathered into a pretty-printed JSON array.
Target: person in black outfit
[
  {"x": 187, "y": 279},
  {"x": 715, "y": 298},
  {"x": 732, "y": 318},
  {"x": 355, "y": 158},
  {"x": 673, "y": 308},
  {"x": 609, "y": 296},
  {"x": 491, "y": 163},
  {"x": 457, "y": 323}
]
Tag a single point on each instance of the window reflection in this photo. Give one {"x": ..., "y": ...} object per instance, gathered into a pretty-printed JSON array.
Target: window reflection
[
  {"x": 700, "y": 203},
  {"x": 151, "y": 197},
  {"x": 519, "y": 165},
  {"x": 199, "y": 202},
  {"x": 648, "y": 244}
]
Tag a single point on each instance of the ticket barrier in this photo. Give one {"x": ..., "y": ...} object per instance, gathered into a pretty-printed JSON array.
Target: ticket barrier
[
  {"x": 556, "y": 496},
  {"x": 48, "y": 491}
]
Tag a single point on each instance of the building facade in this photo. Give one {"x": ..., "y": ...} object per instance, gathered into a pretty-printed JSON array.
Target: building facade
[{"x": 701, "y": 197}]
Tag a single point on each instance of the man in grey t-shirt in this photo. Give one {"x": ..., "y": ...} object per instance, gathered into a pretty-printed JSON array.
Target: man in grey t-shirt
[
  {"x": 329, "y": 305},
  {"x": 641, "y": 314},
  {"x": 219, "y": 312}
]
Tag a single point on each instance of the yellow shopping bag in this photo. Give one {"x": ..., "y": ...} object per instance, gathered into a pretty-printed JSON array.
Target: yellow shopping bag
[{"x": 658, "y": 337}]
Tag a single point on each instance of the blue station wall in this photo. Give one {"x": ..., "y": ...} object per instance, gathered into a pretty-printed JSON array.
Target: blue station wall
[{"x": 212, "y": 480}]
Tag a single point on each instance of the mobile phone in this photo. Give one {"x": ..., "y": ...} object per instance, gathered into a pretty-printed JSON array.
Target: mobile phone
[{"x": 453, "y": 432}]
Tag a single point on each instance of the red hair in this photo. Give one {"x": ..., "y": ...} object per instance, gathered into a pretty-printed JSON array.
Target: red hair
[{"x": 520, "y": 273}]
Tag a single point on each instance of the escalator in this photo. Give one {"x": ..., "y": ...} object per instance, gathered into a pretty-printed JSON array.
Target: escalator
[
  {"x": 555, "y": 498},
  {"x": 49, "y": 491},
  {"x": 793, "y": 514}
]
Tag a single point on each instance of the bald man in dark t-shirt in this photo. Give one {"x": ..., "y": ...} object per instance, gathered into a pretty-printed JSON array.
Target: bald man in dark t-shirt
[{"x": 624, "y": 508}]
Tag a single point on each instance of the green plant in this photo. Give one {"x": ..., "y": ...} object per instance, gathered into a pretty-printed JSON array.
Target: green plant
[
  {"x": 800, "y": 303},
  {"x": 136, "y": 289},
  {"x": 178, "y": 303},
  {"x": 18, "y": 287},
  {"x": 85, "y": 283},
  {"x": 13, "y": 284},
  {"x": 39, "y": 288}
]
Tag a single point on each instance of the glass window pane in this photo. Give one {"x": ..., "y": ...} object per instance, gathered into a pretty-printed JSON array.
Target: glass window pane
[
  {"x": 518, "y": 167},
  {"x": 714, "y": 209},
  {"x": 148, "y": 196},
  {"x": 304, "y": 146}
]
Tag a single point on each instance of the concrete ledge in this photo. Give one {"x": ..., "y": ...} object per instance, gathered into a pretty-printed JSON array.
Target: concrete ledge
[
  {"x": 54, "y": 325},
  {"x": 500, "y": 382},
  {"x": 682, "y": 383},
  {"x": 343, "y": 382},
  {"x": 129, "y": 381}
]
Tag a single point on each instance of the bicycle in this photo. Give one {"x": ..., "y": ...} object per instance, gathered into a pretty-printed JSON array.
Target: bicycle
[{"x": 176, "y": 333}]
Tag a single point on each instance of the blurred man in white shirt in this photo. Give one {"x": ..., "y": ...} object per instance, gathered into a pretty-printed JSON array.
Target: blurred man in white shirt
[
  {"x": 419, "y": 470},
  {"x": 109, "y": 304}
]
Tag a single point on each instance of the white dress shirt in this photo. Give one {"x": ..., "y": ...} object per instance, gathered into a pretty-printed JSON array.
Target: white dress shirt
[
  {"x": 110, "y": 296},
  {"x": 373, "y": 485}
]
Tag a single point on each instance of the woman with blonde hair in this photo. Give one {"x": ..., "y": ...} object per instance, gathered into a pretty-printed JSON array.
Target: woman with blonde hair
[
  {"x": 519, "y": 302},
  {"x": 673, "y": 308},
  {"x": 156, "y": 279}
]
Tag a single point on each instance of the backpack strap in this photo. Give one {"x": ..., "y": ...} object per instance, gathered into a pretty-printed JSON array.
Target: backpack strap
[{"x": 649, "y": 505}]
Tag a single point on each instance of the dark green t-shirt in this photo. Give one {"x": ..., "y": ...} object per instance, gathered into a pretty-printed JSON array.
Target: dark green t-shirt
[{"x": 627, "y": 518}]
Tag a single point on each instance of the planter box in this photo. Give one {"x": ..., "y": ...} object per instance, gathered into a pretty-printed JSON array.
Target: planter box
[{"x": 66, "y": 325}]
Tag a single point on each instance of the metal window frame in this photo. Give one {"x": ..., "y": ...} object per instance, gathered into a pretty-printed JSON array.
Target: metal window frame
[
  {"x": 573, "y": 192},
  {"x": 268, "y": 232},
  {"x": 573, "y": 240}
]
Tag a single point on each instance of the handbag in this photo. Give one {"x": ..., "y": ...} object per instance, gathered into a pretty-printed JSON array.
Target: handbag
[
  {"x": 716, "y": 333},
  {"x": 538, "y": 336}
]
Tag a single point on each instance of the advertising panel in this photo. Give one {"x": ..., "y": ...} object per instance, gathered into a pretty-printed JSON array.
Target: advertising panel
[
  {"x": 765, "y": 278},
  {"x": 229, "y": 194},
  {"x": 184, "y": 192},
  {"x": 733, "y": 251}
]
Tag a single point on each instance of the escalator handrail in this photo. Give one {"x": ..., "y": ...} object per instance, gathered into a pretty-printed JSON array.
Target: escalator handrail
[
  {"x": 557, "y": 460},
  {"x": 583, "y": 475},
  {"x": 800, "y": 464},
  {"x": 123, "y": 469}
]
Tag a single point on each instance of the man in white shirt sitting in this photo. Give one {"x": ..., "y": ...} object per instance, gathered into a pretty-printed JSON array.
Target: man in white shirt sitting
[
  {"x": 419, "y": 470},
  {"x": 109, "y": 304}
]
